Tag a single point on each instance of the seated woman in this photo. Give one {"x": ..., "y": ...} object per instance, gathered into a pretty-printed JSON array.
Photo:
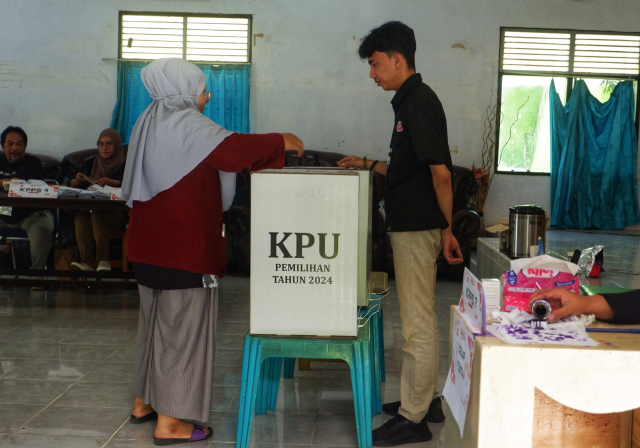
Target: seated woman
[
  {"x": 106, "y": 168},
  {"x": 615, "y": 308}
]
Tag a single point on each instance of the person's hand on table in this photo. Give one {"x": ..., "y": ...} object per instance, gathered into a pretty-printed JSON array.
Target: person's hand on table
[
  {"x": 106, "y": 181},
  {"x": 352, "y": 162},
  {"x": 567, "y": 303},
  {"x": 293, "y": 142},
  {"x": 79, "y": 179},
  {"x": 450, "y": 247}
]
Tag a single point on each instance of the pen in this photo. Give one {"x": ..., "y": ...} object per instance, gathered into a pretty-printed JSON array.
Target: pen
[{"x": 613, "y": 330}]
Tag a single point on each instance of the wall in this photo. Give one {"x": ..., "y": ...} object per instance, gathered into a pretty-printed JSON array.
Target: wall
[{"x": 306, "y": 76}]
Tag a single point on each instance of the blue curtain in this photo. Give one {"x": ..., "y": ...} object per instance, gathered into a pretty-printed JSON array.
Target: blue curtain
[
  {"x": 229, "y": 105},
  {"x": 133, "y": 98},
  {"x": 593, "y": 160}
]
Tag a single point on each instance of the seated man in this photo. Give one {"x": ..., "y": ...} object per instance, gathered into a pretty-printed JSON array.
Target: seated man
[
  {"x": 616, "y": 308},
  {"x": 15, "y": 164}
]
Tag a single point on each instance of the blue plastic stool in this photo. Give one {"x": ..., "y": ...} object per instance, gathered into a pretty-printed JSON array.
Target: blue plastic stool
[
  {"x": 377, "y": 328},
  {"x": 262, "y": 364}
]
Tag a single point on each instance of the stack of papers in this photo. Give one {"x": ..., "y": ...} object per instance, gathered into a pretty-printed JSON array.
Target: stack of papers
[
  {"x": 74, "y": 193},
  {"x": 68, "y": 192},
  {"x": 93, "y": 191},
  {"x": 100, "y": 192}
]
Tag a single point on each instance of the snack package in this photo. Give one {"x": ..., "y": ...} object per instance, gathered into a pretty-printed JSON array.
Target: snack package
[
  {"x": 527, "y": 275},
  {"x": 589, "y": 261}
]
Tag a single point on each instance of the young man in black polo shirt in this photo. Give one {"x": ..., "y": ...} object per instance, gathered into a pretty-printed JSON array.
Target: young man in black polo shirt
[{"x": 418, "y": 201}]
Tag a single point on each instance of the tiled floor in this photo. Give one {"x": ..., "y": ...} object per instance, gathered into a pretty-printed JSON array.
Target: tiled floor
[
  {"x": 66, "y": 375},
  {"x": 66, "y": 366}
]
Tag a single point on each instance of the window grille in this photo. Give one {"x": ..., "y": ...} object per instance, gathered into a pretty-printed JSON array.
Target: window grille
[
  {"x": 529, "y": 60},
  {"x": 197, "y": 38}
]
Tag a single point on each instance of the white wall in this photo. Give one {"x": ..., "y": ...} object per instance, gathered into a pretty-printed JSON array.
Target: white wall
[{"x": 306, "y": 76}]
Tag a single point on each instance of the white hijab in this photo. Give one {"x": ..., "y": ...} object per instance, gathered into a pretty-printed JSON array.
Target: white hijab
[{"x": 171, "y": 137}]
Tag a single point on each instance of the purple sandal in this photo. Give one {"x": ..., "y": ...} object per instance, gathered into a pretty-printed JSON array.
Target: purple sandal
[{"x": 197, "y": 435}]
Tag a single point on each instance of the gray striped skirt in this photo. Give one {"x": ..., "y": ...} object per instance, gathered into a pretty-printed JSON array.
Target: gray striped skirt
[{"x": 175, "y": 351}]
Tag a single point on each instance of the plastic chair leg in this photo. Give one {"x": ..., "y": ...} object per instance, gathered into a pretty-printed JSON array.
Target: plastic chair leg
[
  {"x": 381, "y": 347},
  {"x": 376, "y": 405},
  {"x": 361, "y": 385},
  {"x": 251, "y": 365},
  {"x": 274, "y": 382},
  {"x": 289, "y": 367},
  {"x": 263, "y": 388},
  {"x": 268, "y": 385},
  {"x": 376, "y": 392}
]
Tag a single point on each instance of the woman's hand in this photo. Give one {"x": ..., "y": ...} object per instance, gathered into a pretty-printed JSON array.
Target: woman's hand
[
  {"x": 77, "y": 181},
  {"x": 352, "y": 162},
  {"x": 293, "y": 142},
  {"x": 106, "y": 181}
]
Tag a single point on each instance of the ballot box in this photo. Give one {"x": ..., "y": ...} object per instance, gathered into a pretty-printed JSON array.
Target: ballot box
[{"x": 310, "y": 250}]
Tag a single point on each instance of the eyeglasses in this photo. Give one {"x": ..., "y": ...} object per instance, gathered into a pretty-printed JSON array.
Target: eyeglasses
[{"x": 208, "y": 96}]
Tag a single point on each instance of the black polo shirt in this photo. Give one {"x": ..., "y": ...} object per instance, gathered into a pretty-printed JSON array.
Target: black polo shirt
[{"x": 419, "y": 140}]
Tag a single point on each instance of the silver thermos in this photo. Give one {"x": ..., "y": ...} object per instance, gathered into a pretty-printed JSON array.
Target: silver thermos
[{"x": 527, "y": 223}]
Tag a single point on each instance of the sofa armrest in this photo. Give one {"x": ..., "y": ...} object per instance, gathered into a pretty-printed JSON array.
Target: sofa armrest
[{"x": 464, "y": 224}]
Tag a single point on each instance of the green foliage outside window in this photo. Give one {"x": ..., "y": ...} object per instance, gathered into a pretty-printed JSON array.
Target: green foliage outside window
[{"x": 520, "y": 126}]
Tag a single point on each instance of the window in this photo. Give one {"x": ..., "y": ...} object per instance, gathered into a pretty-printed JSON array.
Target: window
[
  {"x": 197, "y": 38},
  {"x": 529, "y": 61}
]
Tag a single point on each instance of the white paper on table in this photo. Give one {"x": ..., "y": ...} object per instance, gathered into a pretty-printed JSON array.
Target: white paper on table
[
  {"x": 492, "y": 291},
  {"x": 493, "y": 329},
  {"x": 544, "y": 262},
  {"x": 458, "y": 385},
  {"x": 516, "y": 317},
  {"x": 472, "y": 303}
]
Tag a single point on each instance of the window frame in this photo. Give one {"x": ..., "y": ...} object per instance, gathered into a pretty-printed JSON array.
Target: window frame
[
  {"x": 569, "y": 74},
  {"x": 184, "y": 41}
]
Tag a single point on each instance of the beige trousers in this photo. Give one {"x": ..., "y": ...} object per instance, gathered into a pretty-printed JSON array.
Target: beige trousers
[
  {"x": 414, "y": 259},
  {"x": 92, "y": 230}
]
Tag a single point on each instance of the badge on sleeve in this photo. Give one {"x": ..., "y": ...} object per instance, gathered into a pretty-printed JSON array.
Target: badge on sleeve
[{"x": 399, "y": 127}]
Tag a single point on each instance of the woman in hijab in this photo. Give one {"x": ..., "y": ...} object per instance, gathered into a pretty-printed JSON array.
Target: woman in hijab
[
  {"x": 106, "y": 168},
  {"x": 180, "y": 176}
]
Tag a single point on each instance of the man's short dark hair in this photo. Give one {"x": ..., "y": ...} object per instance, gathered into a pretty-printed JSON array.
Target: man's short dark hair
[
  {"x": 390, "y": 38},
  {"x": 19, "y": 130}
]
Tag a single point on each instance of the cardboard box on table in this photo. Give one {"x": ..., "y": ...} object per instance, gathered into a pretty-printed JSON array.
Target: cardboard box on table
[
  {"x": 32, "y": 189},
  {"x": 310, "y": 250}
]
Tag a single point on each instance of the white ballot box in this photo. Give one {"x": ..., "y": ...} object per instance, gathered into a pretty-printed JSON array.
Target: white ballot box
[{"x": 310, "y": 250}]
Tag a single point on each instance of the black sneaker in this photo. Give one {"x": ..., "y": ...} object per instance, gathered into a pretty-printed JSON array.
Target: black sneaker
[
  {"x": 399, "y": 431},
  {"x": 434, "y": 414}
]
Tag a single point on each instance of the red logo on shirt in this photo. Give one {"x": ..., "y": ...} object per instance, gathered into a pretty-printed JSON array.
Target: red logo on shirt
[{"x": 399, "y": 127}]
